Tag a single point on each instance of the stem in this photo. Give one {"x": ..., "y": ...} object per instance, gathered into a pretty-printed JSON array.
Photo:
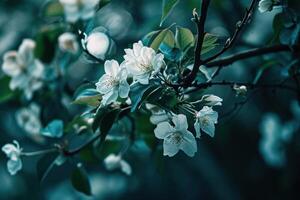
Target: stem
[{"x": 37, "y": 153}]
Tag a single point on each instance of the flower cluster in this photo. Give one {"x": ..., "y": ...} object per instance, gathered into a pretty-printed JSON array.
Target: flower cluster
[
  {"x": 25, "y": 70},
  {"x": 141, "y": 63}
]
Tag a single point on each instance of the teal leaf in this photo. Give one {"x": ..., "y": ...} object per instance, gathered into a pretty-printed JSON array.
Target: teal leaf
[
  {"x": 137, "y": 92},
  {"x": 167, "y": 7},
  {"x": 80, "y": 180},
  {"x": 5, "y": 92},
  {"x": 54, "y": 129},
  {"x": 45, "y": 164}
]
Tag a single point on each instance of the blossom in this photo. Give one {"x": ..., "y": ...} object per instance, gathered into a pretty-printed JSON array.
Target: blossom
[
  {"x": 176, "y": 137},
  {"x": 266, "y": 5},
  {"x": 79, "y": 9},
  {"x": 274, "y": 135},
  {"x": 211, "y": 100},
  {"x": 158, "y": 115},
  {"x": 67, "y": 42},
  {"x": 241, "y": 90},
  {"x": 25, "y": 71},
  {"x": 113, "y": 83},
  {"x": 142, "y": 62},
  {"x": 28, "y": 119},
  {"x": 13, "y": 152},
  {"x": 97, "y": 44},
  {"x": 206, "y": 119},
  {"x": 113, "y": 162}
]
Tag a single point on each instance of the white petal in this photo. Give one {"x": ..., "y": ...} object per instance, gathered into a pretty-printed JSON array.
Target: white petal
[
  {"x": 208, "y": 128},
  {"x": 163, "y": 129},
  {"x": 14, "y": 166},
  {"x": 98, "y": 44},
  {"x": 110, "y": 97},
  {"x": 111, "y": 68},
  {"x": 104, "y": 85},
  {"x": 125, "y": 167},
  {"x": 159, "y": 118},
  {"x": 180, "y": 122},
  {"x": 189, "y": 145},
  {"x": 10, "y": 65},
  {"x": 197, "y": 128},
  {"x": 124, "y": 89},
  {"x": 170, "y": 149},
  {"x": 26, "y": 51}
]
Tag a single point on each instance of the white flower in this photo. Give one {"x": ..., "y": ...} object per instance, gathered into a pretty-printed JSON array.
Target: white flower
[
  {"x": 113, "y": 83},
  {"x": 241, "y": 90},
  {"x": 67, "y": 42},
  {"x": 158, "y": 115},
  {"x": 211, "y": 100},
  {"x": 176, "y": 137},
  {"x": 97, "y": 44},
  {"x": 206, "y": 119},
  {"x": 79, "y": 9},
  {"x": 113, "y": 162},
  {"x": 266, "y": 5},
  {"x": 142, "y": 62},
  {"x": 274, "y": 136},
  {"x": 28, "y": 119},
  {"x": 13, "y": 152},
  {"x": 26, "y": 71}
]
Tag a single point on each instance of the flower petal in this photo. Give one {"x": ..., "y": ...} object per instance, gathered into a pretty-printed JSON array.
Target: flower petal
[
  {"x": 197, "y": 128},
  {"x": 189, "y": 145},
  {"x": 125, "y": 167},
  {"x": 170, "y": 149},
  {"x": 163, "y": 129},
  {"x": 112, "y": 68},
  {"x": 180, "y": 122},
  {"x": 14, "y": 166}
]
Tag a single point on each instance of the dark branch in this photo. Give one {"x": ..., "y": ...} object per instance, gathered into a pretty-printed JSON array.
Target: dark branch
[
  {"x": 248, "y": 85},
  {"x": 239, "y": 26},
  {"x": 252, "y": 53},
  {"x": 200, "y": 37}
]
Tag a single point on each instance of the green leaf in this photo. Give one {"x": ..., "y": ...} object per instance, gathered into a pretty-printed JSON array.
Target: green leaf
[
  {"x": 137, "y": 92},
  {"x": 209, "y": 43},
  {"x": 159, "y": 39},
  {"x": 5, "y": 92},
  {"x": 46, "y": 41},
  {"x": 45, "y": 165},
  {"x": 167, "y": 7},
  {"x": 184, "y": 38},
  {"x": 89, "y": 96},
  {"x": 80, "y": 180},
  {"x": 54, "y": 129}
]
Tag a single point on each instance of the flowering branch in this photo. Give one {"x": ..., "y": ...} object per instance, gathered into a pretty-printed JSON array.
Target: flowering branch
[{"x": 252, "y": 53}]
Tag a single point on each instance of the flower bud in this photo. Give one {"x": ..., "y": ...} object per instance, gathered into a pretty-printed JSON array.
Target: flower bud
[
  {"x": 97, "y": 44},
  {"x": 67, "y": 42}
]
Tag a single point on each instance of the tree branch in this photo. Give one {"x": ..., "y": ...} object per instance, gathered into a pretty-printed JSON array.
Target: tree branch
[
  {"x": 248, "y": 85},
  {"x": 252, "y": 53},
  {"x": 200, "y": 37},
  {"x": 239, "y": 26}
]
